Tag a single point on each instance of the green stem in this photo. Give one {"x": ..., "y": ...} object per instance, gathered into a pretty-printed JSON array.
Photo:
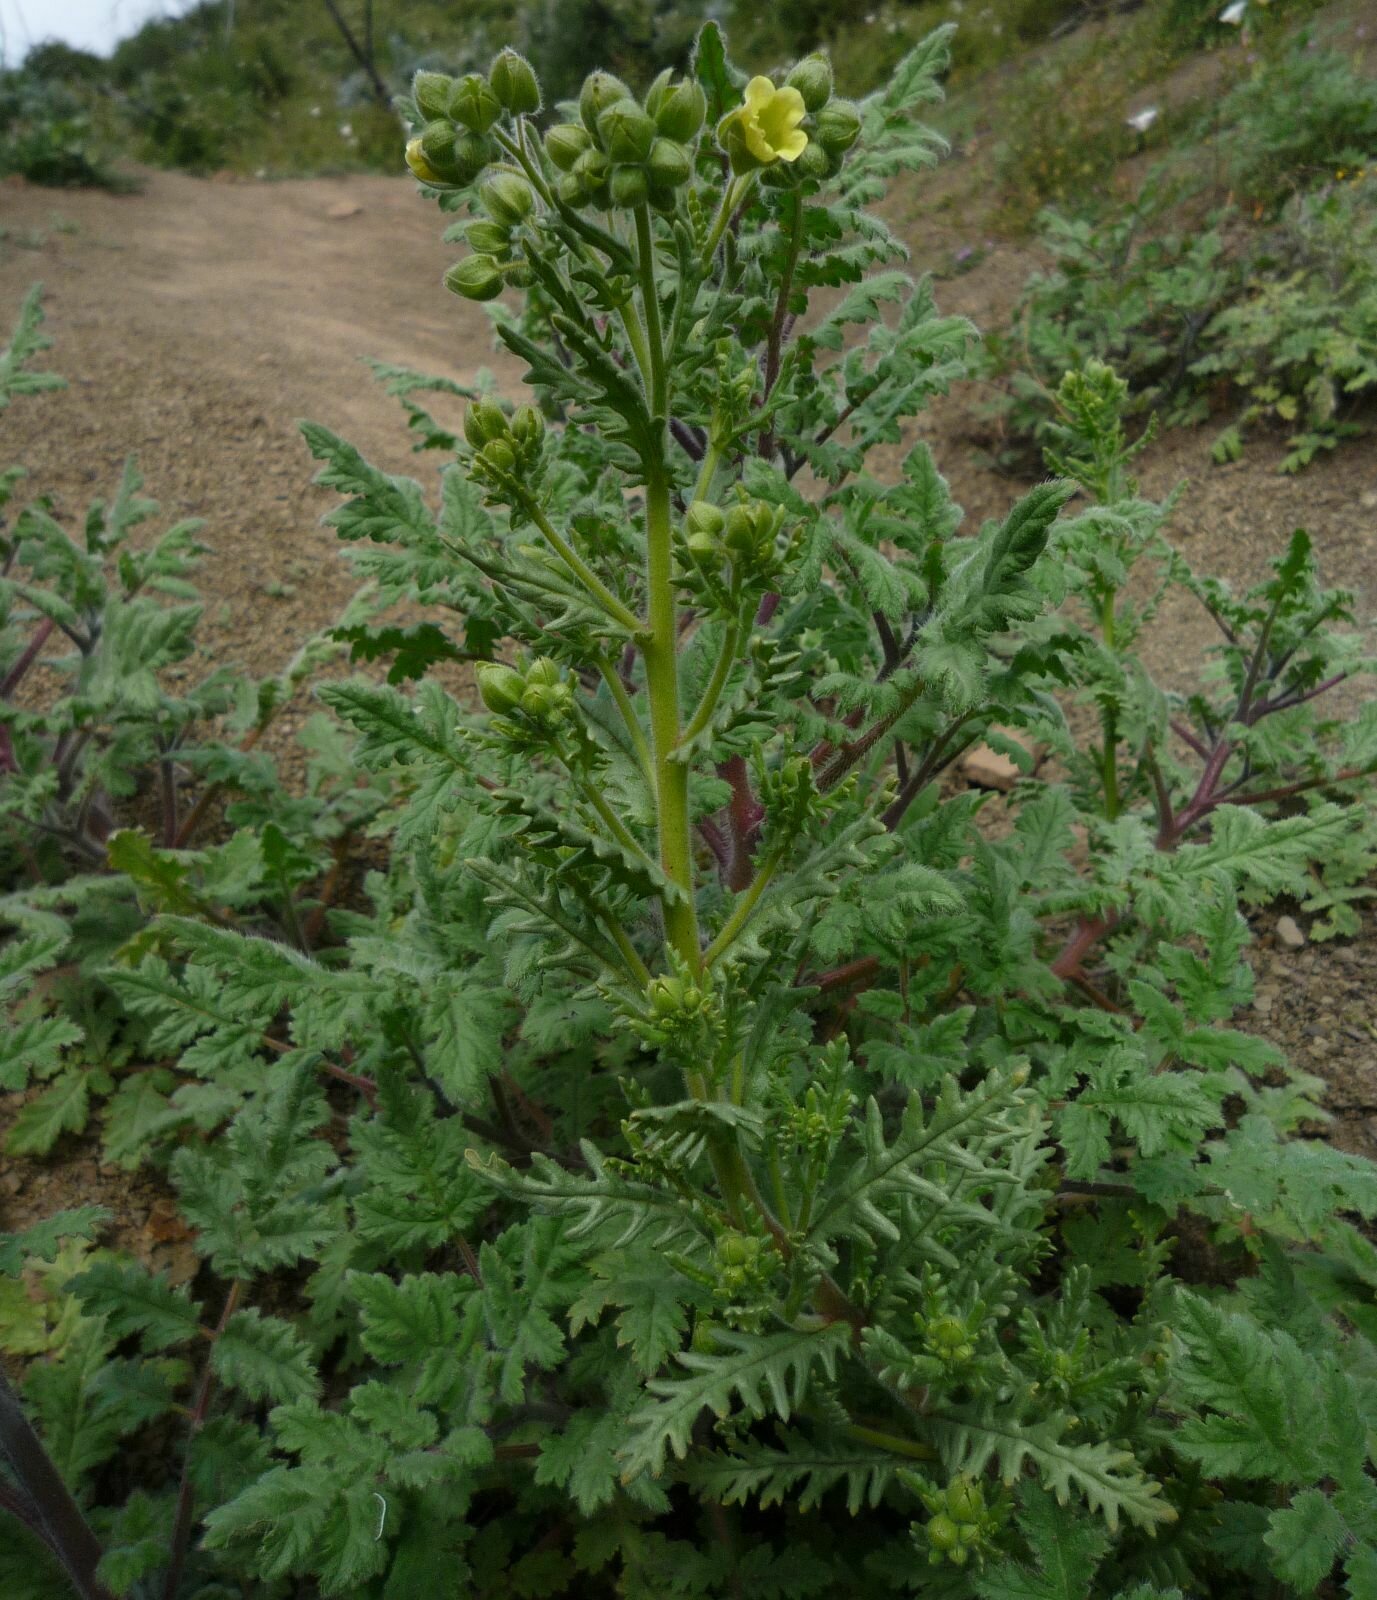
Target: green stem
[
  {"x": 890, "y": 1441},
  {"x": 708, "y": 468},
  {"x": 617, "y": 689},
  {"x": 1109, "y": 719},
  {"x": 742, "y": 911},
  {"x": 726, "y": 658},
  {"x": 581, "y": 570},
  {"x": 650, "y": 306},
  {"x": 732, "y": 197}
]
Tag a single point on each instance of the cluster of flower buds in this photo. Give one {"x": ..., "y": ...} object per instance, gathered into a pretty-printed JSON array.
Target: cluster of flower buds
[
  {"x": 509, "y": 201},
  {"x": 960, "y": 1522},
  {"x": 949, "y": 1340},
  {"x": 506, "y": 447},
  {"x": 458, "y": 114},
  {"x": 746, "y": 534},
  {"x": 679, "y": 1008},
  {"x": 744, "y": 1261},
  {"x": 538, "y": 695},
  {"x": 794, "y": 131},
  {"x": 622, "y": 153},
  {"x": 789, "y": 794}
]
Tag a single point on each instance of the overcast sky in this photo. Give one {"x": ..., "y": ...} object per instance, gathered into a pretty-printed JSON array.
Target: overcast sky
[{"x": 88, "y": 24}]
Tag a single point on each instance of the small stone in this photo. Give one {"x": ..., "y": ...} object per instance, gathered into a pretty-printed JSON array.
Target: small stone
[
  {"x": 987, "y": 768},
  {"x": 1262, "y": 1003},
  {"x": 1368, "y": 499},
  {"x": 342, "y": 210},
  {"x": 1289, "y": 933}
]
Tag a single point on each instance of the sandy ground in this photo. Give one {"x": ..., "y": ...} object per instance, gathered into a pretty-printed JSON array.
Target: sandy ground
[{"x": 196, "y": 321}]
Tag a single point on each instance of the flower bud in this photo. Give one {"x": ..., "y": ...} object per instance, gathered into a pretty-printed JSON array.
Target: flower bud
[
  {"x": 965, "y": 1501},
  {"x": 943, "y": 1534},
  {"x": 666, "y": 996},
  {"x": 476, "y": 278},
  {"x": 542, "y": 670},
  {"x": 474, "y": 104},
  {"x": 420, "y": 167},
  {"x": 487, "y": 238},
  {"x": 678, "y": 108},
  {"x": 546, "y": 702},
  {"x": 437, "y": 146},
  {"x": 702, "y": 517},
  {"x": 499, "y": 455},
  {"x": 600, "y": 90},
  {"x": 484, "y": 421},
  {"x": 472, "y": 153},
  {"x": 514, "y": 83},
  {"x": 500, "y": 687},
  {"x": 814, "y": 163},
  {"x": 838, "y": 127},
  {"x": 507, "y": 198},
  {"x": 627, "y": 131},
  {"x": 629, "y": 187},
  {"x": 528, "y": 428},
  {"x": 565, "y": 143},
  {"x": 812, "y": 77},
  {"x": 662, "y": 200},
  {"x": 431, "y": 91},
  {"x": 669, "y": 164},
  {"x": 573, "y": 191}
]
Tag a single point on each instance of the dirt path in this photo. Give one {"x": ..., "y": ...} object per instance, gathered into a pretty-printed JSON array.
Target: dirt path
[{"x": 196, "y": 321}]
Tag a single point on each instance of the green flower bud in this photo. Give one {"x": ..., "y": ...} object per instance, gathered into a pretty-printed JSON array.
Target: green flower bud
[
  {"x": 437, "y": 146},
  {"x": 573, "y": 191},
  {"x": 679, "y": 109},
  {"x": 484, "y": 421},
  {"x": 514, "y": 83},
  {"x": 627, "y": 131},
  {"x": 812, "y": 77},
  {"x": 947, "y": 1333},
  {"x": 838, "y": 127},
  {"x": 592, "y": 170},
  {"x": 965, "y": 1501},
  {"x": 507, "y": 198},
  {"x": 500, "y": 455},
  {"x": 476, "y": 278},
  {"x": 546, "y": 702},
  {"x": 420, "y": 167},
  {"x": 669, "y": 164},
  {"x": 704, "y": 518},
  {"x": 472, "y": 153},
  {"x": 474, "y": 104},
  {"x": 528, "y": 429},
  {"x": 600, "y": 90},
  {"x": 662, "y": 200},
  {"x": 487, "y": 238},
  {"x": 737, "y": 1249},
  {"x": 431, "y": 91},
  {"x": 943, "y": 1534},
  {"x": 542, "y": 670},
  {"x": 565, "y": 143},
  {"x": 702, "y": 545},
  {"x": 629, "y": 187},
  {"x": 500, "y": 687},
  {"x": 666, "y": 996},
  {"x": 814, "y": 163}
]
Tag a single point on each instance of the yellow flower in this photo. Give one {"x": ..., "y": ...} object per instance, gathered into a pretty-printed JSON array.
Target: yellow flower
[{"x": 768, "y": 123}]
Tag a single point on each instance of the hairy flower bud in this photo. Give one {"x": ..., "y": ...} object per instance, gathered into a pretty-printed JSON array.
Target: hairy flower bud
[
  {"x": 500, "y": 687},
  {"x": 542, "y": 670},
  {"x": 627, "y": 131},
  {"x": 437, "y": 146},
  {"x": 476, "y": 278},
  {"x": 669, "y": 164},
  {"x": 814, "y": 163},
  {"x": 678, "y": 108},
  {"x": 965, "y": 1502},
  {"x": 514, "y": 82},
  {"x": 600, "y": 90},
  {"x": 420, "y": 167},
  {"x": 943, "y": 1534},
  {"x": 431, "y": 91},
  {"x": 484, "y": 421},
  {"x": 565, "y": 143},
  {"x": 546, "y": 702},
  {"x": 472, "y": 153},
  {"x": 812, "y": 77},
  {"x": 838, "y": 127},
  {"x": 528, "y": 429},
  {"x": 704, "y": 518},
  {"x": 629, "y": 187},
  {"x": 499, "y": 455},
  {"x": 473, "y": 103},
  {"x": 487, "y": 238},
  {"x": 507, "y": 199}
]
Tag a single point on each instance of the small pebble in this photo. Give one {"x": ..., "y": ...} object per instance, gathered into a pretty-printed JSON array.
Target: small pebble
[{"x": 1289, "y": 933}]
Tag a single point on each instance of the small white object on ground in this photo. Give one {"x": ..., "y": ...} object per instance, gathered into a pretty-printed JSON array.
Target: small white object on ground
[{"x": 1289, "y": 933}]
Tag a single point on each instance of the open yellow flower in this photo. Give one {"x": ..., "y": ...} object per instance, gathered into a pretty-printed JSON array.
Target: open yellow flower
[{"x": 768, "y": 123}]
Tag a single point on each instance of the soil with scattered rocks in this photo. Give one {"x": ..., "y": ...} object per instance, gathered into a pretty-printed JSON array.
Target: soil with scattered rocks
[{"x": 196, "y": 321}]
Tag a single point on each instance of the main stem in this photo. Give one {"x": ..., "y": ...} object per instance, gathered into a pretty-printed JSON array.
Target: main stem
[{"x": 660, "y": 648}]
